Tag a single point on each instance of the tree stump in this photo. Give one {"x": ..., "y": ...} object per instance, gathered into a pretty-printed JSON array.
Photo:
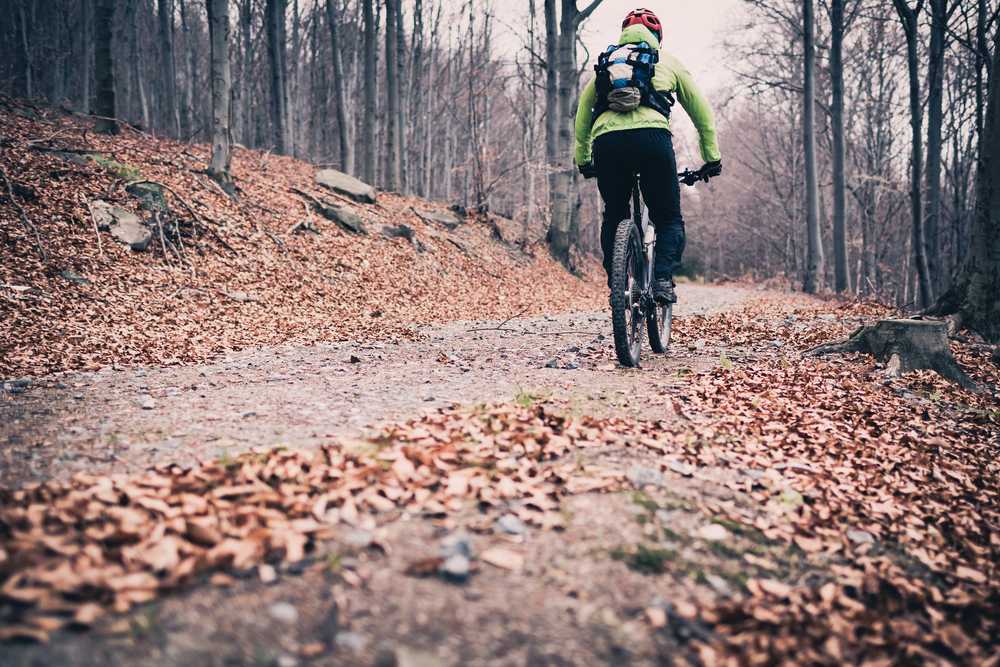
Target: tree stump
[{"x": 904, "y": 346}]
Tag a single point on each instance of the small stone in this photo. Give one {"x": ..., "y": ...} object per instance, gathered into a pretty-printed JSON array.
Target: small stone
[
  {"x": 20, "y": 390},
  {"x": 642, "y": 476},
  {"x": 860, "y": 536},
  {"x": 509, "y": 524},
  {"x": 283, "y": 611},
  {"x": 60, "y": 385},
  {"x": 664, "y": 516},
  {"x": 429, "y": 398},
  {"x": 552, "y": 363},
  {"x": 250, "y": 413},
  {"x": 455, "y": 567},
  {"x": 328, "y": 630},
  {"x": 408, "y": 657},
  {"x": 455, "y": 543},
  {"x": 571, "y": 366},
  {"x": 78, "y": 397},
  {"x": 358, "y": 538},
  {"x": 713, "y": 532},
  {"x": 285, "y": 660},
  {"x": 267, "y": 573},
  {"x": 699, "y": 344},
  {"x": 776, "y": 343},
  {"x": 720, "y": 585},
  {"x": 352, "y": 640},
  {"x": 148, "y": 404},
  {"x": 754, "y": 474}
]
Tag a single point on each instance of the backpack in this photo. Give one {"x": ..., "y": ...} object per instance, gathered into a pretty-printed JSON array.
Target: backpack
[{"x": 625, "y": 80}]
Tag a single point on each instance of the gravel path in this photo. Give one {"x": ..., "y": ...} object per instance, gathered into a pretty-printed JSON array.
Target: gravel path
[
  {"x": 584, "y": 595},
  {"x": 120, "y": 421}
]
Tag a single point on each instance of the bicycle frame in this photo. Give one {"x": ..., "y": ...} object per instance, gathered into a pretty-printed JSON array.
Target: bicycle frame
[{"x": 648, "y": 234}]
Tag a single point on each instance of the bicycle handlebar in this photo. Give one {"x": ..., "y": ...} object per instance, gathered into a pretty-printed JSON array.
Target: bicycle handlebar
[{"x": 688, "y": 177}]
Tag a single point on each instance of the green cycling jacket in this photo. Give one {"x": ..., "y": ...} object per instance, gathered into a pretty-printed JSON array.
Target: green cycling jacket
[{"x": 670, "y": 76}]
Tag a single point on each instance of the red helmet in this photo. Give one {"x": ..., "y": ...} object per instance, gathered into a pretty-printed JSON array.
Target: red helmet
[{"x": 646, "y": 18}]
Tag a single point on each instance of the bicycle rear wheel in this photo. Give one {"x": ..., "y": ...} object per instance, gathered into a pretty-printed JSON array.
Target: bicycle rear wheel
[
  {"x": 627, "y": 282},
  {"x": 658, "y": 322}
]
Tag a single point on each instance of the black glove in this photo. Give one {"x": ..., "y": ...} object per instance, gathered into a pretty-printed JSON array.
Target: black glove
[
  {"x": 710, "y": 169},
  {"x": 588, "y": 170}
]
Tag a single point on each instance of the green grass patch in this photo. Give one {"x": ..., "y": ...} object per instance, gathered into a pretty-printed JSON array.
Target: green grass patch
[
  {"x": 122, "y": 170},
  {"x": 645, "y": 560}
]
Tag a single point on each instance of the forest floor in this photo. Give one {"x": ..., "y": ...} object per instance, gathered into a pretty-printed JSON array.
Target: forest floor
[{"x": 190, "y": 479}]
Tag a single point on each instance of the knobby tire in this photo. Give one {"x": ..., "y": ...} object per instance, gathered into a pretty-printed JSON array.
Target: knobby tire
[
  {"x": 658, "y": 323},
  {"x": 627, "y": 282}
]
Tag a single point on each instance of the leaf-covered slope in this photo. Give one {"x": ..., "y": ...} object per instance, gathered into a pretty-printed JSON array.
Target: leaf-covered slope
[{"x": 298, "y": 287}]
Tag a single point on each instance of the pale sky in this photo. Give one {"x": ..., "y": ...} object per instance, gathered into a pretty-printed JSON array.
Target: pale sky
[{"x": 693, "y": 31}]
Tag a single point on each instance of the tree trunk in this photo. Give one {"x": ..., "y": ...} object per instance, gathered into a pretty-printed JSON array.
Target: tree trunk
[
  {"x": 972, "y": 299},
  {"x": 166, "y": 20},
  {"x": 935, "y": 115},
  {"x": 274, "y": 19},
  {"x": 29, "y": 62},
  {"x": 368, "y": 123},
  {"x": 842, "y": 276},
  {"x": 815, "y": 263},
  {"x": 220, "y": 167},
  {"x": 910, "y": 27},
  {"x": 104, "y": 70},
  {"x": 560, "y": 228},
  {"x": 188, "y": 115},
  {"x": 401, "y": 96},
  {"x": 87, "y": 37},
  {"x": 551, "y": 97},
  {"x": 392, "y": 82},
  {"x": 346, "y": 148}
]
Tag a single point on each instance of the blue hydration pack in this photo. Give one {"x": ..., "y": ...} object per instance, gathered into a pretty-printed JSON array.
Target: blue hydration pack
[{"x": 625, "y": 80}]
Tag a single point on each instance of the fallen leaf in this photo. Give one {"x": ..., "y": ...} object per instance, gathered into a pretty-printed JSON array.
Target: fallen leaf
[{"x": 503, "y": 558}]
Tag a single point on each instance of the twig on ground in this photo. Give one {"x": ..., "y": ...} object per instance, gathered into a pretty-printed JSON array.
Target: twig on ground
[
  {"x": 499, "y": 327},
  {"x": 24, "y": 215},
  {"x": 97, "y": 233}
]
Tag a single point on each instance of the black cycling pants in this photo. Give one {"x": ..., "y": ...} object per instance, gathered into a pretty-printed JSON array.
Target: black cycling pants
[{"x": 648, "y": 152}]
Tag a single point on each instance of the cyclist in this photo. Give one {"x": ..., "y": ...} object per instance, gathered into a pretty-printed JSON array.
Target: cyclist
[{"x": 639, "y": 141}]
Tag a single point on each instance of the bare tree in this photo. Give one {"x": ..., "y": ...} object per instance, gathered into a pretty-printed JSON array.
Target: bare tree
[
  {"x": 368, "y": 124},
  {"x": 220, "y": 166},
  {"x": 166, "y": 23},
  {"x": 343, "y": 129},
  {"x": 816, "y": 260},
  {"x": 562, "y": 218},
  {"x": 908, "y": 16},
  {"x": 392, "y": 83},
  {"x": 274, "y": 18},
  {"x": 972, "y": 299},
  {"x": 104, "y": 70}
]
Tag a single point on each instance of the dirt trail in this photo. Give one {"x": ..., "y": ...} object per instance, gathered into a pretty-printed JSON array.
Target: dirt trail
[
  {"x": 298, "y": 396},
  {"x": 574, "y": 602}
]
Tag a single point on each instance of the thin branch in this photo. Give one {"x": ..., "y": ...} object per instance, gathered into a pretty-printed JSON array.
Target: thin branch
[
  {"x": 24, "y": 215},
  {"x": 97, "y": 233}
]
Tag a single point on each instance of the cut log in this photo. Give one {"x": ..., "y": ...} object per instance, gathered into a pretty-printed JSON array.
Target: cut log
[{"x": 904, "y": 346}]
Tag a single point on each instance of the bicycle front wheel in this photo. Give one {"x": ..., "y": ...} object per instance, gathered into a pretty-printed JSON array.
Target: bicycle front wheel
[
  {"x": 658, "y": 322},
  {"x": 627, "y": 282}
]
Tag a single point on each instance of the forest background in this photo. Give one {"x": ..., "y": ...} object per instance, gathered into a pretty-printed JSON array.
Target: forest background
[{"x": 476, "y": 102}]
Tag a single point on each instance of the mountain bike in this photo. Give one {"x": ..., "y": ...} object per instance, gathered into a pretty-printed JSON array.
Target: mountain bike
[{"x": 632, "y": 306}]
